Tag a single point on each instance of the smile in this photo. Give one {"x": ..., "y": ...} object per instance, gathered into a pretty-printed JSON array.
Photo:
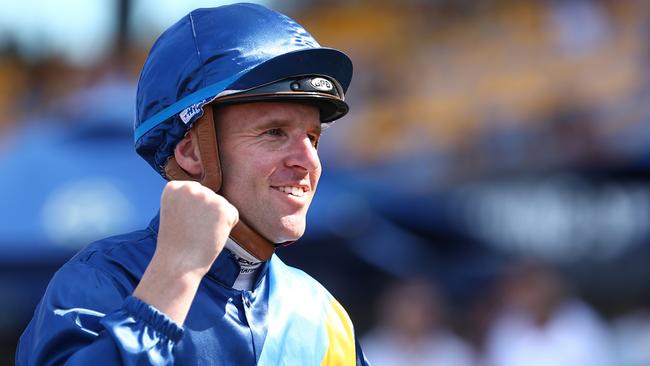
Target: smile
[{"x": 293, "y": 191}]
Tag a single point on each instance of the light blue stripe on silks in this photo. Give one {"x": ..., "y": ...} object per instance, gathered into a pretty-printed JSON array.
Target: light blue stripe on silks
[
  {"x": 298, "y": 306},
  {"x": 202, "y": 94}
]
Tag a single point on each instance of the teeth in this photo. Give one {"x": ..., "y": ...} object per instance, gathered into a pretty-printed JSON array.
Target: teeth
[{"x": 294, "y": 191}]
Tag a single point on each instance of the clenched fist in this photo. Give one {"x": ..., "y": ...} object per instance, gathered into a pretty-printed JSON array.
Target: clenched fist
[{"x": 194, "y": 225}]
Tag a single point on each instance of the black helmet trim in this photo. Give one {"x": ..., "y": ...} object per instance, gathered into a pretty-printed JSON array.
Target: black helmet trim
[{"x": 324, "y": 92}]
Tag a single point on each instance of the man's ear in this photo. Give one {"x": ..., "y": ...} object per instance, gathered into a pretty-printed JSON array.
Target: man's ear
[{"x": 187, "y": 155}]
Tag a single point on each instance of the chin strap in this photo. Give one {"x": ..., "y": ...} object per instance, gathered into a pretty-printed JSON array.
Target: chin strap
[{"x": 242, "y": 233}]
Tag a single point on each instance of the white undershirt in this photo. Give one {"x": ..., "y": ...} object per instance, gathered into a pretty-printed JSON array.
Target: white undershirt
[{"x": 249, "y": 265}]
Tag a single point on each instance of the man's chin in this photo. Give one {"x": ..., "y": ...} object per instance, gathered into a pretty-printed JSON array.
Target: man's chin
[
  {"x": 287, "y": 237},
  {"x": 289, "y": 231}
]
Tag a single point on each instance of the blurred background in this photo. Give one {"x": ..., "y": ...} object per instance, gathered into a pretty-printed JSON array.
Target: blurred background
[{"x": 486, "y": 201}]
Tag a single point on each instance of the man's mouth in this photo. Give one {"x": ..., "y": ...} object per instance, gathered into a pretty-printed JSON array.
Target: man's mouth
[{"x": 293, "y": 191}]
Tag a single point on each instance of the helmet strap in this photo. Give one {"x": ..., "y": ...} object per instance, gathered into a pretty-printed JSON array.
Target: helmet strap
[{"x": 242, "y": 234}]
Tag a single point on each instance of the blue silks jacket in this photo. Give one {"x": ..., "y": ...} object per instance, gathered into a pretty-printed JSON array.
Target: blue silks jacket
[{"x": 88, "y": 316}]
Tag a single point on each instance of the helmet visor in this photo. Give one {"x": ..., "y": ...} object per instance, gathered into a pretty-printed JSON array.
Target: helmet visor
[{"x": 322, "y": 91}]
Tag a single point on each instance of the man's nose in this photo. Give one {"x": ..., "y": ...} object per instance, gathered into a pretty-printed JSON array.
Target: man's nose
[{"x": 303, "y": 154}]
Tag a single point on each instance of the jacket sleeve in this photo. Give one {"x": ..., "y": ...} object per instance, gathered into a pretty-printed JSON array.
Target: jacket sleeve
[{"x": 88, "y": 318}]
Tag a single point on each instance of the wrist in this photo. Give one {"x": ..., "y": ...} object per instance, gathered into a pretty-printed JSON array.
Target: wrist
[
  {"x": 169, "y": 288},
  {"x": 177, "y": 262}
]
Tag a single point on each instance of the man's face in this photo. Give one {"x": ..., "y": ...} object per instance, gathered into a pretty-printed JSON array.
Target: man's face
[{"x": 270, "y": 164}]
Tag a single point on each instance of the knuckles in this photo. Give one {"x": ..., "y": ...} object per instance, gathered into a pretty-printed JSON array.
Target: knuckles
[{"x": 186, "y": 191}]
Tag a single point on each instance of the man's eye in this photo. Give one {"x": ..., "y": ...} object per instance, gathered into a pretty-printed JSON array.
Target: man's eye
[
  {"x": 314, "y": 140},
  {"x": 274, "y": 132}
]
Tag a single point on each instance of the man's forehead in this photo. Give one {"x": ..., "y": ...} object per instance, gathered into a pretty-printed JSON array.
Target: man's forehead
[{"x": 272, "y": 113}]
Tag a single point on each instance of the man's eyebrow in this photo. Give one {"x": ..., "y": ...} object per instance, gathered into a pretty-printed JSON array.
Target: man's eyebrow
[
  {"x": 281, "y": 122},
  {"x": 318, "y": 127},
  {"x": 271, "y": 122}
]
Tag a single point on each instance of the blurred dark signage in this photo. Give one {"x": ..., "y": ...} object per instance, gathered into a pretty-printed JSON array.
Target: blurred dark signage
[{"x": 561, "y": 218}]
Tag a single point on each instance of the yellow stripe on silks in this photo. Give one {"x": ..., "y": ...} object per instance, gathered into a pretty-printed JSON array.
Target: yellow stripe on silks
[{"x": 341, "y": 349}]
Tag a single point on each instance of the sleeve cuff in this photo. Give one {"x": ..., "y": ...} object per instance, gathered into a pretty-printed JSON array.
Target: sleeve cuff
[{"x": 153, "y": 317}]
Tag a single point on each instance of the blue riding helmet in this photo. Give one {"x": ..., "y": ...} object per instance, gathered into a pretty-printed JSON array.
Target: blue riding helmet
[{"x": 233, "y": 53}]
